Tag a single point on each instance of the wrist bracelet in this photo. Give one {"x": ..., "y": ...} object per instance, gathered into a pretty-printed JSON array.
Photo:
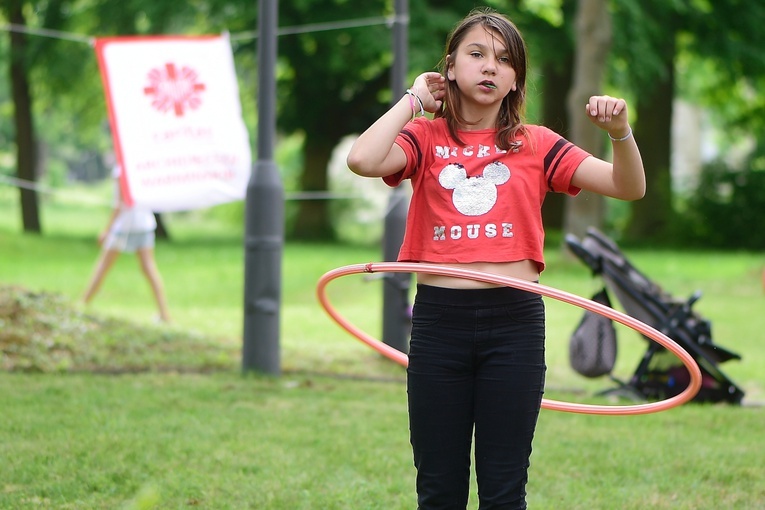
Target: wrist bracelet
[
  {"x": 411, "y": 105},
  {"x": 412, "y": 97},
  {"x": 620, "y": 139}
]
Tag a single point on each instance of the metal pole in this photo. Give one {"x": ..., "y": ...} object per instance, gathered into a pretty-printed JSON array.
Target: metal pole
[
  {"x": 264, "y": 221},
  {"x": 396, "y": 325},
  {"x": 400, "y": 34}
]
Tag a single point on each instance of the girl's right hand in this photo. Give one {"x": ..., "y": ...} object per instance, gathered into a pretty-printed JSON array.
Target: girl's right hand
[{"x": 430, "y": 87}]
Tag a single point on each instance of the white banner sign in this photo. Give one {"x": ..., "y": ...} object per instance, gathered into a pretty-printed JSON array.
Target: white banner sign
[{"x": 176, "y": 120}]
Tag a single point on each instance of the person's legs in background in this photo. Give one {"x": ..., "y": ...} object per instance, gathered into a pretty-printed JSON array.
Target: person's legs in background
[
  {"x": 150, "y": 270},
  {"x": 103, "y": 265}
]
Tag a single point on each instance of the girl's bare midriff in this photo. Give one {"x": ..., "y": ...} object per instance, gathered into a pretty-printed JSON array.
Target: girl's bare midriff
[{"x": 524, "y": 270}]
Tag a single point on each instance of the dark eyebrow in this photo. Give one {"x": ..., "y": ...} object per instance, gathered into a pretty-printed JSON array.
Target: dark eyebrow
[{"x": 478, "y": 45}]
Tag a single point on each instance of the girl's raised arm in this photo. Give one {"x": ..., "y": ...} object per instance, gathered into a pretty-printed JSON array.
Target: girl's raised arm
[
  {"x": 374, "y": 153},
  {"x": 625, "y": 178}
]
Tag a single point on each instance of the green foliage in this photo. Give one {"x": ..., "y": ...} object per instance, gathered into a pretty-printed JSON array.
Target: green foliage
[
  {"x": 343, "y": 75},
  {"x": 718, "y": 63},
  {"x": 550, "y": 11},
  {"x": 332, "y": 74},
  {"x": 642, "y": 31},
  {"x": 726, "y": 209},
  {"x": 733, "y": 103}
]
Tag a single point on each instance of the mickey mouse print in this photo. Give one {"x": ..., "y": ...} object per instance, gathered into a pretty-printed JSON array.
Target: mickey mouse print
[
  {"x": 477, "y": 202},
  {"x": 474, "y": 196}
]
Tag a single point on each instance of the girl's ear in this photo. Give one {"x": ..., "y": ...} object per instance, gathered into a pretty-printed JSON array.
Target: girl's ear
[{"x": 450, "y": 68}]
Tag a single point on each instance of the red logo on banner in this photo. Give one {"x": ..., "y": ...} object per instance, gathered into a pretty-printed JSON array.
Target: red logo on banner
[{"x": 174, "y": 89}]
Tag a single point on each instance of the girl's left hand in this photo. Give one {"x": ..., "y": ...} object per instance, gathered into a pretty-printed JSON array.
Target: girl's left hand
[{"x": 609, "y": 113}]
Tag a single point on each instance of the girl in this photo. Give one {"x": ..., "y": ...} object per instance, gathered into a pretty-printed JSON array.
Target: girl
[
  {"x": 479, "y": 176},
  {"x": 129, "y": 229}
]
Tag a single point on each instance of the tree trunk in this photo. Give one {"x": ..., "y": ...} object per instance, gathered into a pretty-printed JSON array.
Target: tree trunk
[
  {"x": 26, "y": 156},
  {"x": 313, "y": 221},
  {"x": 555, "y": 116},
  {"x": 651, "y": 215},
  {"x": 162, "y": 232},
  {"x": 593, "y": 39}
]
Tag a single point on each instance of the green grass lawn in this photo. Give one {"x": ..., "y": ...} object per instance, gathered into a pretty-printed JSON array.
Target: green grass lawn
[{"x": 191, "y": 431}]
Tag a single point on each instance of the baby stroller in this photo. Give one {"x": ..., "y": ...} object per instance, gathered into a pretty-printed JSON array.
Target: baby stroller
[{"x": 659, "y": 374}]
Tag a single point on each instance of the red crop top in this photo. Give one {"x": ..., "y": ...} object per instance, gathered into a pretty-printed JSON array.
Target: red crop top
[{"x": 476, "y": 202}]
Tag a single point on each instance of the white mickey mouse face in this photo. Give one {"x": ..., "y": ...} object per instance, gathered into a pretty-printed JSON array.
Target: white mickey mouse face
[{"x": 474, "y": 196}]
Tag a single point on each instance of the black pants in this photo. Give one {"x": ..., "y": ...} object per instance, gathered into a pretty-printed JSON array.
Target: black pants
[{"x": 476, "y": 365}]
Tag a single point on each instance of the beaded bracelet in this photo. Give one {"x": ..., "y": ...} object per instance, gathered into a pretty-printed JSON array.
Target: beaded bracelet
[
  {"x": 412, "y": 96},
  {"x": 620, "y": 139}
]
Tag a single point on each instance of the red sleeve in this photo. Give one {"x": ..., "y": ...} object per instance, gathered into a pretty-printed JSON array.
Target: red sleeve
[
  {"x": 411, "y": 139},
  {"x": 561, "y": 159}
]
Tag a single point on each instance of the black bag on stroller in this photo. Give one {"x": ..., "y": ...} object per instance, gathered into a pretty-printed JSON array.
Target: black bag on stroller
[
  {"x": 659, "y": 374},
  {"x": 592, "y": 348}
]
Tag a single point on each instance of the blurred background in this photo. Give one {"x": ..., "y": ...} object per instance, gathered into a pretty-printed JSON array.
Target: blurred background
[{"x": 692, "y": 72}]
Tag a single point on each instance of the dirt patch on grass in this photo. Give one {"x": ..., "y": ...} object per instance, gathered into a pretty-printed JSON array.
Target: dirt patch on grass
[{"x": 45, "y": 332}]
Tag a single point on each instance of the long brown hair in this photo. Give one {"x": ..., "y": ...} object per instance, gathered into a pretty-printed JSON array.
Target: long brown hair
[{"x": 510, "y": 118}]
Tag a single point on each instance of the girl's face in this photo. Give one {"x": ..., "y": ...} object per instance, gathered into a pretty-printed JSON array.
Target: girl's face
[{"x": 481, "y": 67}]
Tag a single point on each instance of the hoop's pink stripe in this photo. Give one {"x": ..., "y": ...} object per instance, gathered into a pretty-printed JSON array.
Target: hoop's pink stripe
[{"x": 587, "y": 304}]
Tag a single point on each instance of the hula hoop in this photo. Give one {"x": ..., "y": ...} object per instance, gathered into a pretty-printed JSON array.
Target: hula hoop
[{"x": 402, "y": 359}]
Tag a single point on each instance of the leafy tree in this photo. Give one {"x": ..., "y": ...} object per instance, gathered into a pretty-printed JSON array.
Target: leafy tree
[
  {"x": 336, "y": 82},
  {"x": 653, "y": 36},
  {"x": 328, "y": 87},
  {"x": 726, "y": 208}
]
